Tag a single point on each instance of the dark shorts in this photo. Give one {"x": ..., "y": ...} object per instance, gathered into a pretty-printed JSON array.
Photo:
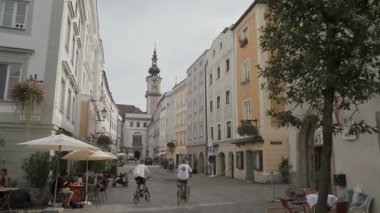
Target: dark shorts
[
  {"x": 63, "y": 193},
  {"x": 140, "y": 180},
  {"x": 182, "y": 181}
]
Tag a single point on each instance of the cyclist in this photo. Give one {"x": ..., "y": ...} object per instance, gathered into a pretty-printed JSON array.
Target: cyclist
[
  {"x": 183, "y": 172},
  {"x": 141, "y": 172}
]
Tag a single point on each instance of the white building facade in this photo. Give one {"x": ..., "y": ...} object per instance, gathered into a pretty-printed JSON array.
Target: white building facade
[
  {"x": 57, "y": 44},
  {"x": 221, "y": 110}
]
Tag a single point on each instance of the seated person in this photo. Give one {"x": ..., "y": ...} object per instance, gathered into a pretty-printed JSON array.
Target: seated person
[
  {"x": 63, "y": 189},
  {"x": 5, "y": 181},
  {"x": 103, "y": 181}
]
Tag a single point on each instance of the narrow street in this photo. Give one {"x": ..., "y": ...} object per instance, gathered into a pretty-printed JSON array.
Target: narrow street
[{"x": 217, "y": 194}]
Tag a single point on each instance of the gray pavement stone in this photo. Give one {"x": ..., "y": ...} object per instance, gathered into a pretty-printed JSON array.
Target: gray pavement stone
[{"x": 217, "y": 194}]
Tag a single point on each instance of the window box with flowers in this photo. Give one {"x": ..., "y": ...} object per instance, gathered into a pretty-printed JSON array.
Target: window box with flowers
[
  {"x": 247, "y": 129},
  {"x": 28, "y": 96}
]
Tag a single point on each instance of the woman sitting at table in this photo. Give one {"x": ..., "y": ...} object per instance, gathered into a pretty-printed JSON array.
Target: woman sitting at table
[
  {"x": 63, "y": 188},
  {"x": 5, "y": 181}
]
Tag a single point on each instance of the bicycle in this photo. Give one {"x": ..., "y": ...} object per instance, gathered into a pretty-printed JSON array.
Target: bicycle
[
  {"x": 181, "y": 196},
  {"x": 141, "y": 193}
]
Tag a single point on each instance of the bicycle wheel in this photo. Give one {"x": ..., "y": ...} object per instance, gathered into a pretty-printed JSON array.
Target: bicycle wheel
[
  {"x": 136, "y": 197},
  {"x": 187, "y": 194},
  {"x": 179, "y": 196},
  {"x": 147, "y": 195}
]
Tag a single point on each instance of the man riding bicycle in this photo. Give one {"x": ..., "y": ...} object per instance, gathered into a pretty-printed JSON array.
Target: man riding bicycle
[
  {"x": 141, "y": 172},
  {"x": 183, "y": 172}
]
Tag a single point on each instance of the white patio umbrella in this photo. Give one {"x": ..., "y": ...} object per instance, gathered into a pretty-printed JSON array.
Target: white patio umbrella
[
  {"x": 121, "y": 154},
  {"x": 87, "y": 155},
  {"x": 57, "y": 143}
]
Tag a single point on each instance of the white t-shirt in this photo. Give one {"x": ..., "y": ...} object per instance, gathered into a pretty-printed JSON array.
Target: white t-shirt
[
  {"x": 141, "y": 171},
  {"x": 183, "y": 171}
]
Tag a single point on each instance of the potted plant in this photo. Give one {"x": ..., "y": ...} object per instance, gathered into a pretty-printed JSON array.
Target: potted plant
[
  {"x": 246, "y": 128},
  {"x": 28, "y": 96},
  {"x": 37, "y": 168}
]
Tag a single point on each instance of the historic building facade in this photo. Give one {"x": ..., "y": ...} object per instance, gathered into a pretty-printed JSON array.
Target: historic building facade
[
  {"x": 261, "y": 153},
  {"x": 196, "y": 115},
  {"x": 221, "y": 103},
  {"x": 180, "y": 121},
  {"x": 65, "y": 58}
]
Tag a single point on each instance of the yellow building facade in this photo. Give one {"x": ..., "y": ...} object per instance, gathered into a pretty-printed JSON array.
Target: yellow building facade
[
  {"x": 259, "y": 155},
  {"x": 180, "y": 125}
]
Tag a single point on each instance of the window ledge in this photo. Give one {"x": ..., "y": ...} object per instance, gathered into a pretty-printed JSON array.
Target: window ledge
[
  {"x": 244, "y": 82},
  {"x": 13, "y": 28}
]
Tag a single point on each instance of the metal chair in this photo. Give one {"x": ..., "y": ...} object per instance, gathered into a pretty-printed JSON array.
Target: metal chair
[
  {"x": 291, "y": 209},
  {"x": 93, "y": 194}
]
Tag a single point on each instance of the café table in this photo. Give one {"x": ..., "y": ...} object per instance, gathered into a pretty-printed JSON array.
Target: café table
[
  {"x": 76, "y": 188},
  {"x": 5, "y": 202}
]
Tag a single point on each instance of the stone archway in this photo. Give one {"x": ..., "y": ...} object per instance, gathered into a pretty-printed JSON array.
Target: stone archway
[
  {"x": 201, "y": 163},
  {"x": 305, "y": 152},
  {"x": 222, "y": 164},
  {"x": 230, "y": 165}
]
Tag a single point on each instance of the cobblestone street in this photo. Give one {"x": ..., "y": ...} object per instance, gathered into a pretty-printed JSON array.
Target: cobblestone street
[{"x": 217, "y": 194}]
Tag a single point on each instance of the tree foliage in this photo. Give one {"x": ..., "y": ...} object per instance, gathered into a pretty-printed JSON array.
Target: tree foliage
[
  {"x": 323, "y": 54},
  {"x": 104, "y": 141},
  {"x": 37, "y": 168}
]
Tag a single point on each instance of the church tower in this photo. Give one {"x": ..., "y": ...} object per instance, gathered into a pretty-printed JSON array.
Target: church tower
[{"x": 153, "y": 82}]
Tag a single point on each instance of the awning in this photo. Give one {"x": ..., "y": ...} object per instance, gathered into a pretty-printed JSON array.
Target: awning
[{"x": 249, "y": 140}]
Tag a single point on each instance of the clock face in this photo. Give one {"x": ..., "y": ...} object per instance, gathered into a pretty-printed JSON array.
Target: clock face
[{"x": 154, "y": 80}]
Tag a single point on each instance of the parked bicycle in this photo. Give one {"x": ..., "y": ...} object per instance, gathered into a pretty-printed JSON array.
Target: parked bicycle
[
  {"x": 182, "y": 197},
  {"x": 141, "y": 193}
]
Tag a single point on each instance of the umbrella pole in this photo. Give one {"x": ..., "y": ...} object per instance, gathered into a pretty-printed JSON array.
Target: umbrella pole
[
  {"x": 56, "y": 179},
  {"x": 86, "y": 179}
]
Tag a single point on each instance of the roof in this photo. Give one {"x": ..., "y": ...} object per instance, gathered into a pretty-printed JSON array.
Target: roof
[
  {"x": 128, "y": 109},
  {"x": 249, "y": 140},
  {"x": 246, "y": 12}
]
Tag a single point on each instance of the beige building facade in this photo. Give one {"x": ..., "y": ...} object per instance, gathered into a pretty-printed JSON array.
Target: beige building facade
[{"x": 260, "y": 154}]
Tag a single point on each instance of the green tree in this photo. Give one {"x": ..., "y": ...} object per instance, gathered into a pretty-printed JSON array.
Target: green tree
[{"x": 322, "y": 51}]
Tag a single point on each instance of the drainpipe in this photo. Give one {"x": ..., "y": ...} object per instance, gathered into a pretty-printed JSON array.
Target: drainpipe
[{"x": 206, "y": 132}]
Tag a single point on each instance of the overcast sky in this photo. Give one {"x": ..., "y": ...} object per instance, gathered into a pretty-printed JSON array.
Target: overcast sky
[{"x": 183, "y": 29}]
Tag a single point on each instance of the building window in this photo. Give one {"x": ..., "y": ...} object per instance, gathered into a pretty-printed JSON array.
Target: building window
[
  {"x": 9, "y": 77},
  {"x": 131, "y": 124},
  {"x": 213, "y": 52},
  {"x": 227, "y": 65},
  {"x": 73, "y": 111},
  {"x": 137, "y": 140},
  {"x": 228, "y": 129},
  {"x": 218, "y": 102},
  {"x": 73, "y": 50},
  {"x": 137, "y": 124},
  {"x": 210, "y": 79},
  {"x": 240, "y": 160},
  {"x": 63, "y": 90},
  {"x": 212, "y": 133},
  {"x": 68, "y": 107},
  {"x": 219, "y": 132},
  {"x": 247, "y": 110},
  {"x": 210, "y": 106},
  {"x": 145, "y": 124},
  {"x": 14, "y": 14},
  {"x": 227, "y": 97},
  {"x": 220, "y": 45},
  {"x": 245, "y": 71},
  {"x": 258, "y": 160},
  {"x": 68, "y": 28},
  {"x": 218, "y": 73}
]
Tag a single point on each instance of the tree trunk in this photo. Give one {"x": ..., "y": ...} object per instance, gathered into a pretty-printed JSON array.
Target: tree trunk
[{"x": 325, "y": 170}]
